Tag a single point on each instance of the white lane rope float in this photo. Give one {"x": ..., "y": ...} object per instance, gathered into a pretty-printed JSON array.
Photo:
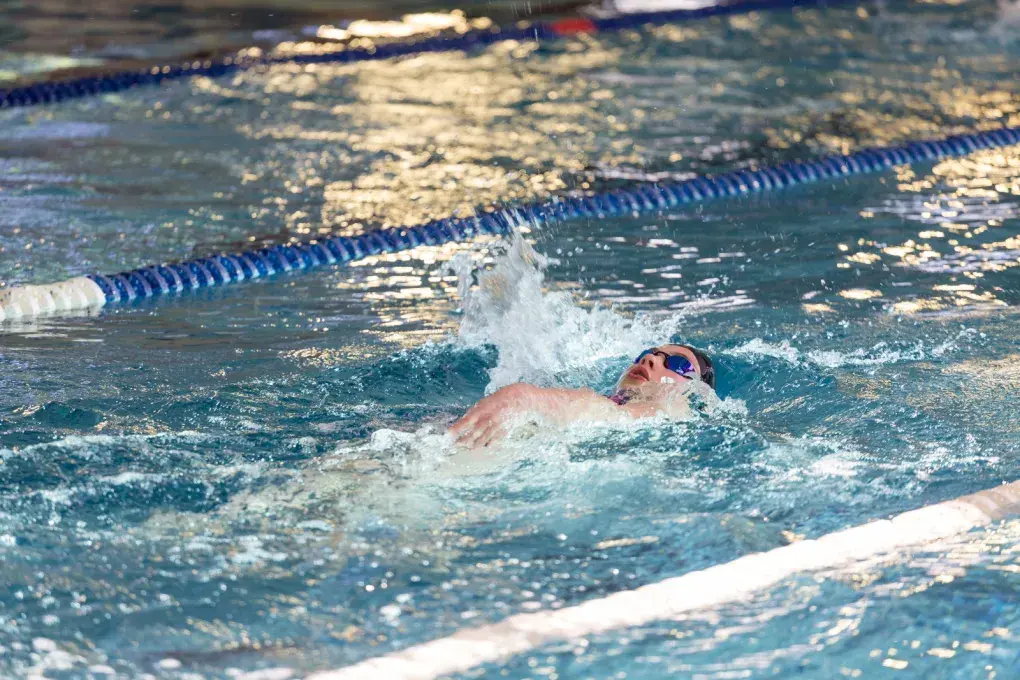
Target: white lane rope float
[{"x": 31, "y": 301}]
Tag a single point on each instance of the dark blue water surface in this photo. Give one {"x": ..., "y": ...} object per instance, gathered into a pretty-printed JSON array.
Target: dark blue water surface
[{"x": 255, "y": 478}]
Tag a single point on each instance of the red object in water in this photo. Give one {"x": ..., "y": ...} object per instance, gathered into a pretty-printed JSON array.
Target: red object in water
[{"x": 569, "y": 26}]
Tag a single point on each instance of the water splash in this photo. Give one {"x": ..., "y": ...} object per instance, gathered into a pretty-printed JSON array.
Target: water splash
[{"x": 544, "y": 336}]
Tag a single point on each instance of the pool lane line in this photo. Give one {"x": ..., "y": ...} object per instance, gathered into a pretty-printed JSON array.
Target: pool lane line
[
  {"x": 98, "y": 290},
  {"x": 52, "y": 92},
  {"x": 722, "y": 584}
]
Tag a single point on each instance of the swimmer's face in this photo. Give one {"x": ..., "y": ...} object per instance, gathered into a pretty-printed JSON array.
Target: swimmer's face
[{"x": 651, "y": 369}]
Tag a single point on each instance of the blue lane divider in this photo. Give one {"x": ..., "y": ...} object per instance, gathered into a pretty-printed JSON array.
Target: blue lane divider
[
  {"x": 64, "y": 90},
  {"x": 222, "y": 269}
]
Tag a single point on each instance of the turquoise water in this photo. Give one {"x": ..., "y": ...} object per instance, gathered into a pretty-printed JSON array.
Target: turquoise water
[{"x": 255, "y": 478}]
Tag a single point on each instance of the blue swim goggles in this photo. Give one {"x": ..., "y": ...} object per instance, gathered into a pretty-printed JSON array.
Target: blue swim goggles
[{"x": 674, "y": 362}]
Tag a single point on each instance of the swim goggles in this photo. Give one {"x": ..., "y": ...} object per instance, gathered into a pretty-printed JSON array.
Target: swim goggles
[{"x": 674, "y": 362}]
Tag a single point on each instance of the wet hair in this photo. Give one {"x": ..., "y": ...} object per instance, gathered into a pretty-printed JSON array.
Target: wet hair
[{"x": 705, "y": 366}]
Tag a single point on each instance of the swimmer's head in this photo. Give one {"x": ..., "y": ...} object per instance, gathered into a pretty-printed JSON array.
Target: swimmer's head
[{"x": 669, "y": 363}]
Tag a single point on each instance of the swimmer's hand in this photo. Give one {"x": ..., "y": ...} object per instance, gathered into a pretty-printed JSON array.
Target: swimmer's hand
[{"x": 485, "y": 422}]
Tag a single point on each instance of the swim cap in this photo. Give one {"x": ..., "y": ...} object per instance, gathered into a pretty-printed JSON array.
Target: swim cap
[{"x": 705, "y": 367}]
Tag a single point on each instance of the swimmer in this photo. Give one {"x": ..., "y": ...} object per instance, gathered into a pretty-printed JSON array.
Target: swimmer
[{"x": 660, "y": 381}]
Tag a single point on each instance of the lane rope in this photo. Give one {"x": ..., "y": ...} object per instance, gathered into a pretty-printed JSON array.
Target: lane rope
[
  {"x": 98, "y": 290},
  {"x": 55, "y": 91},
  {"x": 671, "y": 598}
]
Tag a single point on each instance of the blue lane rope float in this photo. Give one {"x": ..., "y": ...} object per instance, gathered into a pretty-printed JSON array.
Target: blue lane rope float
[
  {"x": 63, "y": 90},
  {"x": 98, "y": 290}
]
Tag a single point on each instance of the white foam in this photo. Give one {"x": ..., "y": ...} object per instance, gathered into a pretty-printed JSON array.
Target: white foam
[
  {"x": 127, "y": 478},
  {"x": 89, "y": 441},
  {"x": 877, "y": 355},
  {"x": 413, "y": 479},
  {"x": 251, "y": 552},
  {"x": 759, "y": 347}
]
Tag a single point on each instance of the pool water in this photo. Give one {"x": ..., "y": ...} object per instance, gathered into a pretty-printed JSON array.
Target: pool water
[{"x": 256, "y": 478}]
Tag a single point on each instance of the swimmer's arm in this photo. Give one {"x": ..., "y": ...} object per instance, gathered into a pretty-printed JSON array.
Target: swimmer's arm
[{"x": 485, "y": 421}]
